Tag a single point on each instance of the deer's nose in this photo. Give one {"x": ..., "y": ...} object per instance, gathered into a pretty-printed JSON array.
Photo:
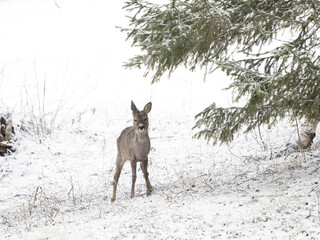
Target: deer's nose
[{"x": 141, "y": 128}]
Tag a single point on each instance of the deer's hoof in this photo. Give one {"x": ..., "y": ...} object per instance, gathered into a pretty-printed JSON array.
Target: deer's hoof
[
  {"x": 149, "y": 190},
  {"x": 113, "y": 199}
]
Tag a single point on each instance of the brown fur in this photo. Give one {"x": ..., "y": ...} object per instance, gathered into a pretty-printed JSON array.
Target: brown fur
[{"x": 134, "y": 145}]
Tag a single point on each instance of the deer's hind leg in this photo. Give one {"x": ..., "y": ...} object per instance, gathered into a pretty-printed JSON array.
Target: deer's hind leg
[
  {"x": 144, "y": 168},
  {"x": 119, "y": 166}
]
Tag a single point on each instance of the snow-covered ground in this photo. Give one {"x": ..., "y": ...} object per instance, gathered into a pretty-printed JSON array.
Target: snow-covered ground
[
  {"x": 62, "y": 79},
  {"x": 250, "y": 189}
]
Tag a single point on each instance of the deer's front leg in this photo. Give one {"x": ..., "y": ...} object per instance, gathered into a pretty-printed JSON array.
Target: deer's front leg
[
  {"x": 144, "y": 168},
  {"x": 134, "y": 176}
]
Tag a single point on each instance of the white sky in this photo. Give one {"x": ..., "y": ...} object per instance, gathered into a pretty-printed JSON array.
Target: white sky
[{"x": 76, "y": 53}]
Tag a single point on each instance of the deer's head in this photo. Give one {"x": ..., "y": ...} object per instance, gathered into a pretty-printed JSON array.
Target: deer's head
[{"x": 140, "y": 118}]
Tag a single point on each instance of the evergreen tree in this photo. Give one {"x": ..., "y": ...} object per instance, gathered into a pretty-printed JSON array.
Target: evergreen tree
[{"x": 268, "y": 47}]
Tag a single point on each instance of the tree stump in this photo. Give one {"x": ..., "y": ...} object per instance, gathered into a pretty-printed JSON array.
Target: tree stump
[
  {"x": 307, "y": 134},
  {"x": 6, "y": 136}
]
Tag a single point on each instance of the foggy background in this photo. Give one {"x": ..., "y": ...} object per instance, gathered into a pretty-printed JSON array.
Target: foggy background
[{"x": 67, "y": 57}]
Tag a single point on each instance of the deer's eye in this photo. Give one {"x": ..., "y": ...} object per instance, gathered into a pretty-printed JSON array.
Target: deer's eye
[
  {"x": 135, "y": 120},
  {"x": 145, "y": 119}
]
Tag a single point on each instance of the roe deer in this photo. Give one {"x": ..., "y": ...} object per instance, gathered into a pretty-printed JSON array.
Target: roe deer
[{"x": 134, "y": 145}]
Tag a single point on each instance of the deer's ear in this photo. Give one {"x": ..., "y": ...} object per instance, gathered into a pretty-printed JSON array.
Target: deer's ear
[
  {"x": 133, "y": 107},
  {"x": 147, "y": 108}
]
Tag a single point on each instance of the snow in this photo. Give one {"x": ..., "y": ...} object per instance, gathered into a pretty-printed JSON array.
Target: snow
[
  {"x": 63, "y": 66},
  {"x": 238, "y": 191}
]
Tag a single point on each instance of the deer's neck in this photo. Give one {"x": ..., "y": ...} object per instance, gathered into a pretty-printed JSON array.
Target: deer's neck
[{"x": 141, "y": 137}]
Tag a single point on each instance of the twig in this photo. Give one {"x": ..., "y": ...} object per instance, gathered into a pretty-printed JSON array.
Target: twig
[
  {"x": 313, "y": 171},
  {"x": 55, "y": 2},
  {"x": 36, "y": 194},
  {"x": 298, "y": 130},
  {"x": 208, "y": 185},
  {"x": 233, "y": 153},
  {"x": 263, "y": 144},
  {"x": 72, "y": 190}
]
